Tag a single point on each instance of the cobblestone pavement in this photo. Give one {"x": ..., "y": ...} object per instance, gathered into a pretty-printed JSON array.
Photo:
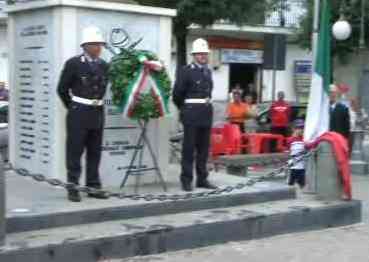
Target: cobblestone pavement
[{"x": 331, "y": 245}]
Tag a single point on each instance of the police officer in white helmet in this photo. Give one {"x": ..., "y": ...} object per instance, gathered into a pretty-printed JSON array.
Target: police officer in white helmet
[
  {"x": 192, "y": 95},
  {"x": 81, "y": 88}
]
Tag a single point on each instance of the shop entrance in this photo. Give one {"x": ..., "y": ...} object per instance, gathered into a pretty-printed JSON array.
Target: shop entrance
[{"x": 243, "y": 74}]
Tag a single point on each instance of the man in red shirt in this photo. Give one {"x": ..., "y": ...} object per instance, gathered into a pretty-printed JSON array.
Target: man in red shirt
[{"x": 280, "y": 113}]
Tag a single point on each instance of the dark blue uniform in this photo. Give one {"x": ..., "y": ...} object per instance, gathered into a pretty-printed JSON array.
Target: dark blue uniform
[
  {"x": 85, "y": 79},
  {"x": 340, "y": 119},
  {"x": 194, "y": 81}
]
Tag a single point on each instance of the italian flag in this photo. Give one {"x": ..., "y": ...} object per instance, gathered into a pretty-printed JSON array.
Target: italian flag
[{"x": 317, "y": 118}]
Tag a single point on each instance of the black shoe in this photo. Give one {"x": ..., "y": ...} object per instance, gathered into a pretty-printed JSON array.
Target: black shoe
[
  {"x": 74, "y": 196},
  {"x": 98, "y": 195},
  {"x": 187, "y": 187},
  {"x": 206, "y": 184}
]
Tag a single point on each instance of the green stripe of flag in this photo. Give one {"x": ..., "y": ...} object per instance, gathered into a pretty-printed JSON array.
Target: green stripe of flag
[{"x": 323, "y": 60}]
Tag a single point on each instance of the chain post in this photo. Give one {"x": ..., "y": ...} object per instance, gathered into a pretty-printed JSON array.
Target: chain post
[{"x": 2, "y": 203}]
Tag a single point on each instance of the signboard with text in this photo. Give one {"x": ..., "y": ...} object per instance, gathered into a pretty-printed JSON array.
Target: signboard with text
[
  {"x": 302, "y": 78},
  {"x": 243, "y": 56}
]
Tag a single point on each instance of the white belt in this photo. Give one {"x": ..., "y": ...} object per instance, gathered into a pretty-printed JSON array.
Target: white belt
[
  {"x": 90, "y": 102},
  {"x": 198, "y": 101}
]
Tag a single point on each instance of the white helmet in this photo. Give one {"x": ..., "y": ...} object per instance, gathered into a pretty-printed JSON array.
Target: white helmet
[
  {"x": 200, "y": 46},
  {"x": 92, "y": 34}
]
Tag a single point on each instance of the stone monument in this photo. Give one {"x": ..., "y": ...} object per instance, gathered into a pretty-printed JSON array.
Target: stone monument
[{"x": 43, "y": 35}]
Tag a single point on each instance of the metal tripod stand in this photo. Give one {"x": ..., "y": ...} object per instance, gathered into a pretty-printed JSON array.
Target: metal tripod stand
[{"x": 137, "y": 169}]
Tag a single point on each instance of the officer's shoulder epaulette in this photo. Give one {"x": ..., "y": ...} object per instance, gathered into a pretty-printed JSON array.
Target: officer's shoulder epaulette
[
  {"x": 74, "y": 59},
  {"x": 187, "y": 67}
]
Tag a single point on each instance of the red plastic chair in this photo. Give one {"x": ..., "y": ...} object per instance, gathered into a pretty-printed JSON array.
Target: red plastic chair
[
  {"x": 225, "y": 140},
  {"x": 232, "y": 139},
  {"x": 259, "y": 142},
  {"x": 228, "y": 140}
]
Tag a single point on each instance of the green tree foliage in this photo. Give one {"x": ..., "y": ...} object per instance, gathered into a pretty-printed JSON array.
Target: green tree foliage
[
  {"x": 206, "y": 12},
  {"x": 352, "y": 12}
]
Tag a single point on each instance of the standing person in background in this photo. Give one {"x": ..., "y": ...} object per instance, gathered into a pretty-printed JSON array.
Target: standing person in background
[
  {"x": 236, "y": 88},
  {"x": 4, "y": 93},
  {"x": 339, "y": 116},
  {"x": 354, "y": 111},
  {"x": 251, "y": 123},
  {"x": 253, "y": 93},
  {"x": 280, "y": 113},
  {"x": 252, "y": 106},
  {"x": 237, "y": 111}
]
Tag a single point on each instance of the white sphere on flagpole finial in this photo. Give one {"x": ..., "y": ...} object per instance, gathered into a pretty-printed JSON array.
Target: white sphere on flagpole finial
[{"x": 342, "y": 30}]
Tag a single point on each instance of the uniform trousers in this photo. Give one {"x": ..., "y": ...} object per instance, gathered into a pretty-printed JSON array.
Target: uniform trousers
[
  {"x": 84, "y": 133},
  {"x": 195, "y": 147}
]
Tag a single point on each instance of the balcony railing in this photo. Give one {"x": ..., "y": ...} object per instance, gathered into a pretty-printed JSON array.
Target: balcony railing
[
  {"x": 2, "y": 5},
  {"x": 287, "y": 13}
]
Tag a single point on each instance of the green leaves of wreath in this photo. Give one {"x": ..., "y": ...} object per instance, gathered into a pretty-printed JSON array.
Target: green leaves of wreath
[{"x": 140, "y": 93}]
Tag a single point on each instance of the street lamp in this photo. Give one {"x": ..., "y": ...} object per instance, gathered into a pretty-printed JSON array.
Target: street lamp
[{"x": 342, "y": 30}]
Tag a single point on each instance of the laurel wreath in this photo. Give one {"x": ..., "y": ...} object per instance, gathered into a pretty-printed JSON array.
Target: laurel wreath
[{"x": 124, "y": 69}]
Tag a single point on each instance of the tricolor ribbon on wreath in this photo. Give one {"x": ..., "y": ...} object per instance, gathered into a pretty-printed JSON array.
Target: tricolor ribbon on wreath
[{"x": 144, "y": 82}]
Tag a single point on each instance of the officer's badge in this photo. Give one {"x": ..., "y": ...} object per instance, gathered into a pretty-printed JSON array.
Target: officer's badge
[{"x": 84, "y": 80}]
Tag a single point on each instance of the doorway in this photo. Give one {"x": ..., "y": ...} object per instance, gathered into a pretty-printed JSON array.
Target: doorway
[{"x": 243, "y": 74}]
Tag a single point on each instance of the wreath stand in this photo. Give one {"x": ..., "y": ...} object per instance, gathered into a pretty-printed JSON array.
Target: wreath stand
[{"x": 135, "y": 166}]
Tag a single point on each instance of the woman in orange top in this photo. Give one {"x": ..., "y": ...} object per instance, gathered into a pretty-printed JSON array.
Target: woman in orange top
[{"x": 237, "y": 111}]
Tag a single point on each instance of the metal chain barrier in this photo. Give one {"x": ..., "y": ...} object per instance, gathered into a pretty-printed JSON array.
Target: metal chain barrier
[{"x": 291, "y": 161}]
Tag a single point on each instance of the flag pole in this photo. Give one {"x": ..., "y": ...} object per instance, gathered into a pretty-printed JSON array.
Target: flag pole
[
  {"x": 311, "y": 164},
  {"x": 315, "y": 32}
]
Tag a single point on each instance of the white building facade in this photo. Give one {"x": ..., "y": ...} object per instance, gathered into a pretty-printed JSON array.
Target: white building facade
[
  {"x": 238, "y": 54},
  {"x": 3, "y": 45}
]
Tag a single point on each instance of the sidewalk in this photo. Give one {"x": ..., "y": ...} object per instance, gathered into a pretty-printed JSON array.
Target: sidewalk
[{"x": 26, "y": 197}]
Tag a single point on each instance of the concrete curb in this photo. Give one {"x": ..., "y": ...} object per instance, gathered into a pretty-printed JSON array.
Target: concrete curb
[
  {"x": 155, "y": 239},
  {"x": 143, "y": 209}
]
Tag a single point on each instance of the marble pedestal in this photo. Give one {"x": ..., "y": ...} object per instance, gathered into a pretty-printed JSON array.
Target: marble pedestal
[{"x": 42, "y": 36}]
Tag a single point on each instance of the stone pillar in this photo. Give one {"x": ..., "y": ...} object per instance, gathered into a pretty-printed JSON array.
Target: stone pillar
[
  {"x": 311, "y": 174},
  {"x": 357, "y": 147},
  {"x": 328, "y": 184},
  {"x": 363, "y": 94},
  {"x": 2, "y": 203},
  {"x": 358, "y": 164}
]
